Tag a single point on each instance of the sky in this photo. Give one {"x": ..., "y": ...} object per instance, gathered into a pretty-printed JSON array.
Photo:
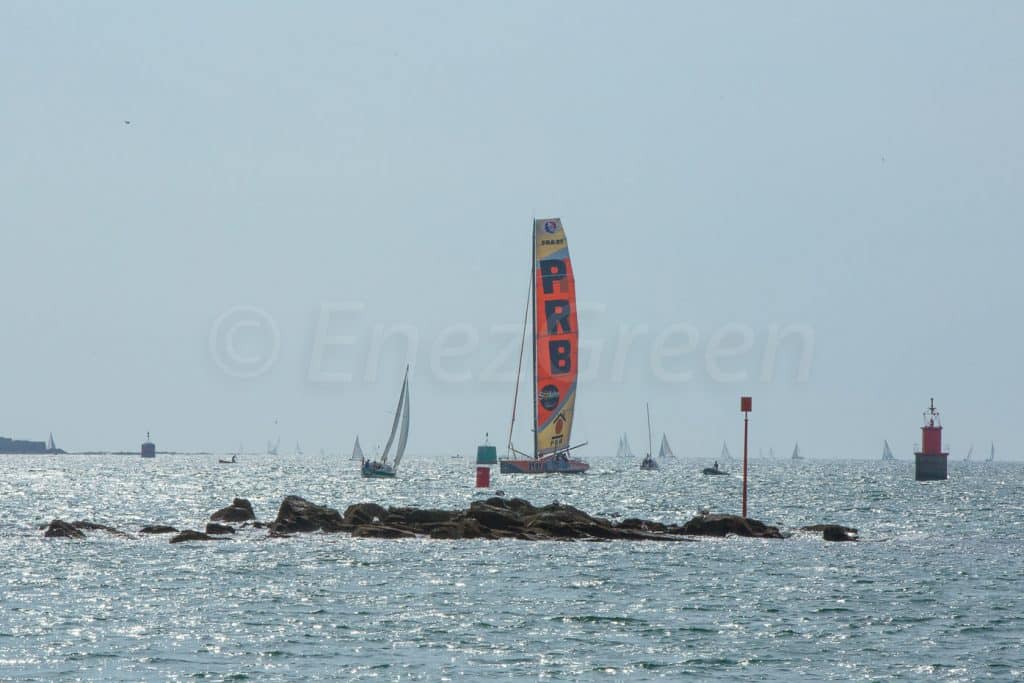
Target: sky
[{"x": 226, "y": 223}]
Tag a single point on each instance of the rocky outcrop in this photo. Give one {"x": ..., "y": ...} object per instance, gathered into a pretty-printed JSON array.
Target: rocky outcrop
[
  {"x": 725, "y": 525},
  {"x": 240, "y": 510},
  {"x": 58, "y": 528},
  {"x": 191, "y": 535},
  {"x": 299, "y": 515},
  {"x": 833, "y": 532},
  {"x": 497, "y": 517}
]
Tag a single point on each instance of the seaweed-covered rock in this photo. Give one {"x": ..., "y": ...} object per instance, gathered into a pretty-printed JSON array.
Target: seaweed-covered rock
[
  {"x": 213, "y": 528},
  {"x": 158, "y": 529}
]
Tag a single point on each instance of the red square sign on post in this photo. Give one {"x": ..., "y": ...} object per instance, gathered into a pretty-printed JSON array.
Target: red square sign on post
[{"x": 745, "y": 402}]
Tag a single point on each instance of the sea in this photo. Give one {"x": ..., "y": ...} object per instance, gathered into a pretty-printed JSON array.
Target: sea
[{"x": 932, "y": 590}]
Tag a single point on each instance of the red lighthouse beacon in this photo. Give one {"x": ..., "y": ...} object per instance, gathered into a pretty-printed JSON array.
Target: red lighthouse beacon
[{"x": 930, "y": 461}]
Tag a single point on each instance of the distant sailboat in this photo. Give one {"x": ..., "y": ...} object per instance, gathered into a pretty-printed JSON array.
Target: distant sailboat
[
  {"x": 298, "y": 448},
  {"x": 665, "y": 451},
  {"x": 991, "y": 453},
  {"x": 624, "y": 452},
  {"x": 272, "y": 447},
  {"x": 970, "y": 451},
  {"x": 726, "y": 456},
  {"x": 886, "y": 453},
  {"x": 796, "y": 453},
  {"x": 357, "y": 451},
  {"x": 373, "y": 468},
  {"x": 649, "y": 463}
]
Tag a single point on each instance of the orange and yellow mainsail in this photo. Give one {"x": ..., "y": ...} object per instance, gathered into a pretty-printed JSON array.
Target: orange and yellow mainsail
[{"x": 556, "y": 337}]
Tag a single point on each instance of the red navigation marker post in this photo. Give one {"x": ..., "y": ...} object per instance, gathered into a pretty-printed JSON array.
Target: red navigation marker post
[{"x": 745, "y": 402}]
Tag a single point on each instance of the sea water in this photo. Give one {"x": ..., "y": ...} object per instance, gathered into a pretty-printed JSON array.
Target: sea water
[{"x": 933, "y": 589}]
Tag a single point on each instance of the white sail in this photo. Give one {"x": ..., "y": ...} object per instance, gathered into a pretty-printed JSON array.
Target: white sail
[
  {"x": 992, "y": 453},
  {"x": 398, "y": 417},
  {"x": 357, "y": 451},
  {"x": 886, "y": 453},
  {"x": 725, "y": 452},
  {"x": 49, "y": 444},
  {"x": 620, "y": 452},
  {"x": 403, "y": 435},
  {"x": 796, "y": 452},
  {"x": 665, "y": 451}
]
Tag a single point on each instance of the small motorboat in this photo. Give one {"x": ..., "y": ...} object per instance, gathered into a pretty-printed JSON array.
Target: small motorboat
[
  {"x": 714, "y": 470},
  {"x": 232, "y": 461}
]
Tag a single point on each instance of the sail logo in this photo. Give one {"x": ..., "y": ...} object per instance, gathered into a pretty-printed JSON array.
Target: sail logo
[
  {"x": 548, "y": 397},
  {"x": 550, "y": 227}
]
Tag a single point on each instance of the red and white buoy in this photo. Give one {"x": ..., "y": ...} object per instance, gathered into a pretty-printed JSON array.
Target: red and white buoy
[{"x": 930, "y": 461}]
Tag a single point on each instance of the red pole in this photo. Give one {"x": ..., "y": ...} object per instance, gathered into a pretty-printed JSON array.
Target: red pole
[
  {"x": 745, "y": 405},
  {"x": 745, "y": 416}
]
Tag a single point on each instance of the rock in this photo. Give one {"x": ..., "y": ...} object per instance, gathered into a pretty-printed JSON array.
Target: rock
[
  {"x": 466, "y": 527},
  {"x": 84, "y": 525},
  {"x": 723, "y": 525},
  {"x": 158, "y": 529},
  {"x": 380, "y": 531},
  {"x": 190, "y": 535},
  {"x": 364, "y": 513},
  {"x": 833, "y": 532},
  {"x": 214, "y": 528},
  {"x": 495, "y": 517},
  {"x": 416, "y": 517},
  {"x": 58, "y": 528},
  {"x": 240, "y": 510},
  {"x": 299, "y": 515}
]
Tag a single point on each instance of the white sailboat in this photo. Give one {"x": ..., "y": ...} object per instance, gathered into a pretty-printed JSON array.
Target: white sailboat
[
  {"x": 887, "y": 454},
  {"x": 796, "y": 453},
  {"x": 970, "y": 451},
  {"x": 381, "y": 468},
  {"x": 991, "y": 453},
  {"x": 357, "y": 451},
  {"x": 665, "y": 451},
  {"x": 726, "y": 456},
  {"x": 298, "y": 448}
]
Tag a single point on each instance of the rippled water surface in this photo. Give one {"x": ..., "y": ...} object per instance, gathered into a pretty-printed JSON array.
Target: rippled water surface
[{"x": 933, "y": 589}]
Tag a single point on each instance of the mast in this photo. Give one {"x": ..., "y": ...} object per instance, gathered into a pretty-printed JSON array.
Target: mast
[
  {"x": 530, "y": 301},
  {"x": 650, "y": 443},
  {"x": 519, "y": 369}
]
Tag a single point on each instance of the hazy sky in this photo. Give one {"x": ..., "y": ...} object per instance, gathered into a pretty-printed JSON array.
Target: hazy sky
[{"x": 297, "y": 180}]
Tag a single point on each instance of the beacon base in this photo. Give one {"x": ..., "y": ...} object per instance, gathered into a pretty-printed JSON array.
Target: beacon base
[{"x": 930, "y": 466}]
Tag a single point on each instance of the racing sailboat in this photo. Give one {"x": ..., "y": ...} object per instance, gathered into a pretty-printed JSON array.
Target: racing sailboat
[
  {"x": 665, "y": 451},
  {"x": 886, "y": 453},
  {"x": 382, "y": 468},
  {"x": 624, "y": 452},
  {"x": 357, "y": 451},
  {"x": 649, "y": 463},
  {"x": 555, "y": 342}
]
